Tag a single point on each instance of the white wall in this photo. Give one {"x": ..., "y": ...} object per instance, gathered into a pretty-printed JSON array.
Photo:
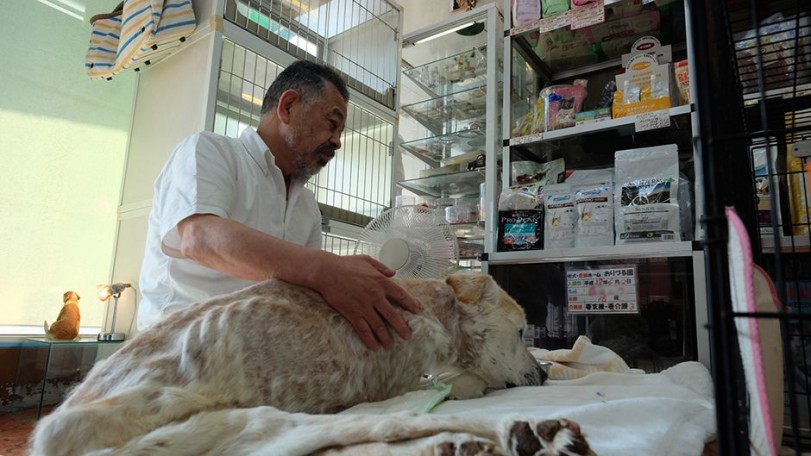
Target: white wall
[
  {"x": 63, "y": 140},
  {"x": 173, "y": 101}
]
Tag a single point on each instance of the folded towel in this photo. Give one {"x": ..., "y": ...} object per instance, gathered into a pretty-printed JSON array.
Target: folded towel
[{"x": 582, "y": 359}]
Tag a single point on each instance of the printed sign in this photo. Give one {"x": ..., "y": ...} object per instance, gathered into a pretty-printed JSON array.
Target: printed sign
[{"x": 610, "y": 289}]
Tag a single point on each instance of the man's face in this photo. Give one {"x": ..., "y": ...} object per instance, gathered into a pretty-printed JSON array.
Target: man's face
[{"x": 315, "y": 133}]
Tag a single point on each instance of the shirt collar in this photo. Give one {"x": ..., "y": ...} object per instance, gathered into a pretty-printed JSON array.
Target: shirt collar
[{"x": 257, "y": 149}]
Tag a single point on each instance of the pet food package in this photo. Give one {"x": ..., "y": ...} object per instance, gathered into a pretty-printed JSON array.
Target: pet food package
[
  {"x": 646, "y": 199},
  {"x": 798, "y": 195},
  {"x": 559, "y": 216},
  {"x": 562, "y": 103},
  {"x": 525, "y": 172},
  {"x": 520, "y": 219},
  {"x": 525, "y": 11},
  {"x": 765, "y": 184},
  {"x": 681, "y": 70},
  {"x": 520, "y": 230},
  {"x": 594, "y": 202}
]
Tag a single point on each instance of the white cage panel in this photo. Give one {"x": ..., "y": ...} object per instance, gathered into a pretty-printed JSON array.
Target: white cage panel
[{"x": 357, "y": 37}]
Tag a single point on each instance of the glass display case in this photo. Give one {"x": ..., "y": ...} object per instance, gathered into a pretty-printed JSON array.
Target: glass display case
[{"x": 450, "y": 102}]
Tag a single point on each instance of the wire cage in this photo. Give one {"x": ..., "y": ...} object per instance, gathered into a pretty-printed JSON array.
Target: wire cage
[
  {"x": 357, "y": 37},
  {"x": 752, "y": 91}
]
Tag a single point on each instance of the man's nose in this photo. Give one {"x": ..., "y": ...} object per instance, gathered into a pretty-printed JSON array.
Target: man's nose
[{"x": 335, "y": 140}]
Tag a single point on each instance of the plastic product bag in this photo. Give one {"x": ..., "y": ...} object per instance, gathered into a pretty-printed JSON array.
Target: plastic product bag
[
  {"x": 553, "y": 7},
  {"x": 527, "y": 172},
  {"x": 779, "y": 47},
  {"x": 561, "y": 103},
  {"x": 646, "y": 196},
  {"x": 525, "y": 11}
]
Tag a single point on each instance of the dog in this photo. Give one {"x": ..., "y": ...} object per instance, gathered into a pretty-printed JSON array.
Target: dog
[
  {"x": 66, "y": 326},
  {"x": 280, "y": 345}
]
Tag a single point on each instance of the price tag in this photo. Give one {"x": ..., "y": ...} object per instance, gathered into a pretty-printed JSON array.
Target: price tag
[
  {"x": 555, "y": 22},
  {"x": 583, "y": 16},
  {"x": 652, "y": 120},
  {"x": 524, "y": 28},
  {"x": 610, "y": 289},
  {"x": 517, "y": 141}
]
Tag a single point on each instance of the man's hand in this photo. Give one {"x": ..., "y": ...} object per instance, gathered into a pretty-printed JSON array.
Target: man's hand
[{"x": 360, "y": 288}]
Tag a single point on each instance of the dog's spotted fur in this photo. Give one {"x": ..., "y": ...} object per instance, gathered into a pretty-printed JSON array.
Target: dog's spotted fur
[{"x": 281, "y": 345}]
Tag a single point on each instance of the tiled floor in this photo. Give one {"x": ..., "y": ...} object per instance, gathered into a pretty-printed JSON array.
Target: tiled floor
[{"x": 15, "y": 429}]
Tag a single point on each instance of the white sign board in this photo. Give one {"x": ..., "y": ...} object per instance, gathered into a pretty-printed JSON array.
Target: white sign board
[{"x": 609, "y": 289}]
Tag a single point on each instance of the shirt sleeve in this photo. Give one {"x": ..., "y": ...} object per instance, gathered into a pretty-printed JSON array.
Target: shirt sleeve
[{"x": 199, "y": 178}]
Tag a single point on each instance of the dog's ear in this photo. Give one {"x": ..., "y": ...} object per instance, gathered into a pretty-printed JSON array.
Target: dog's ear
[{"x": 469, "y": 288}]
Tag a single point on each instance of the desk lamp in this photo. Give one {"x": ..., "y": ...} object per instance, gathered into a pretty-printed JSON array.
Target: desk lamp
[{"x": 105, "y": 293}]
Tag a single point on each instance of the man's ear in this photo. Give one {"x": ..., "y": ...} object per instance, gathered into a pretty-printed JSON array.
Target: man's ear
[
  {"x": 287, "y": 101},
  {"x": 469, "y": 288}
]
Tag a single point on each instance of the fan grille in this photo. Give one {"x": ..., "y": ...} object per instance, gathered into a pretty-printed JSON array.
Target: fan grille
[{"x": 432, "y": 249}]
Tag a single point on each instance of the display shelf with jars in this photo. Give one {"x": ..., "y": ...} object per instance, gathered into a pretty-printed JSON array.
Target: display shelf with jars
[{"x": 449, "y": 129}]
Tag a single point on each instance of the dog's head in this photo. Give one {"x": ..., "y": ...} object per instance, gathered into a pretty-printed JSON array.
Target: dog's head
[
  {"x": 70, "y": 296},
  {"x": 493, "y": 325}
]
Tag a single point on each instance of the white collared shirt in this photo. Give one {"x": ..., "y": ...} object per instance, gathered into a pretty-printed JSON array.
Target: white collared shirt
[{"x": 232, "y": 178}]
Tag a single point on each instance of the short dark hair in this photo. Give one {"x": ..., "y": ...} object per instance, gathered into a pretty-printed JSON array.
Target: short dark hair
[{"x": 305, "y": 77}]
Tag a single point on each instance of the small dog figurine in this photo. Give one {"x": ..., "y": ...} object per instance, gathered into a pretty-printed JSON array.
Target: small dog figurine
[{"x": 66, "y": 326}]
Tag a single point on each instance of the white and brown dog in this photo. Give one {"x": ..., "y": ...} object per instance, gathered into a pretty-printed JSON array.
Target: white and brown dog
[
  {"x": 280, "y": 345},
  {"x": 66, "y": 326}
]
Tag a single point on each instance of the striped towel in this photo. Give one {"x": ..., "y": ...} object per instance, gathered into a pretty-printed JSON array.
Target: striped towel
[
  {"x": 101, "y": 52},
  {"x": 152, "y": 29}
]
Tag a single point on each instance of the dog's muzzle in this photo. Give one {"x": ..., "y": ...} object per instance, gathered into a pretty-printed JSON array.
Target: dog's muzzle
[{"x": 536, "y": 377}]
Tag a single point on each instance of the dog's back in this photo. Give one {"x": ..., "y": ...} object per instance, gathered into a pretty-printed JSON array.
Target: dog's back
[{"x": 66, "y": 326}]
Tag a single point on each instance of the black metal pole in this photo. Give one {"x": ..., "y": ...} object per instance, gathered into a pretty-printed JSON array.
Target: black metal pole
[{"x": 723, "y": 153}]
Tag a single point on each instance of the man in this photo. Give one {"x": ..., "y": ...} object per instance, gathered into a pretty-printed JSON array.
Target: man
[{"x": 229, "y": 212}]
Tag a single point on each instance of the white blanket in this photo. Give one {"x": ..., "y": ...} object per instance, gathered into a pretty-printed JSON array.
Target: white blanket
[
  {"x": 620, "y": 410},
  {"x": 620, "y": 413}
]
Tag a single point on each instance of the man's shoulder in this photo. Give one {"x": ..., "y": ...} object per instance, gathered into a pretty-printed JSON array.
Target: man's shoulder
[
  {"x": 206, "y": 143},
  {"x": 207, "y": 137}
]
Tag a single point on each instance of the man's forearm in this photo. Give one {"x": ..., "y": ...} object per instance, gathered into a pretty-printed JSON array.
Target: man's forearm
[{"x": 243, "y": 252}]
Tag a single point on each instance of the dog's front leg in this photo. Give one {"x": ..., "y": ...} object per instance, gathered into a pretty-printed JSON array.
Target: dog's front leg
[{"x": 467, "y": 386}]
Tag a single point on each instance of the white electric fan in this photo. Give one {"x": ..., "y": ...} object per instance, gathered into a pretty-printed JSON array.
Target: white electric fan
[{"x": 415, "y": 241}]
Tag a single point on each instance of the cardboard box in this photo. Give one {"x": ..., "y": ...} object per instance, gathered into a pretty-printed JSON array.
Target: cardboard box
[{"x": 647, "y": 84}]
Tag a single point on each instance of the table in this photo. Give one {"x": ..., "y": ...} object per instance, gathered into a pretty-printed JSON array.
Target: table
[{"x": 63, "y": 358}]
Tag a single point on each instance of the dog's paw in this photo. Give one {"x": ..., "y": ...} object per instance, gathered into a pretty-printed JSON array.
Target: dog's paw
[
  {"x": 467, "y": 386},
  {"x": 548, "y": 438},
  {"x": 468, "y": 448}
]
